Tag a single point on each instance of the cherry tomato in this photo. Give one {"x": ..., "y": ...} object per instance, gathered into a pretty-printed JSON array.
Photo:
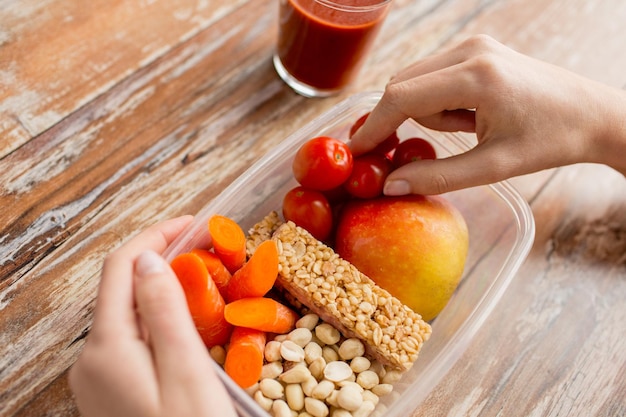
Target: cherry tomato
[
  {"x": 310, "y": 210},
  {"x": 383, "y": 148},
  {"x": 359, "y": 122},
  {"x": 322, "y": 163},
  {"x": 388, "y": 146},
  {"x": 411, "y": 150},
  {"x": 337, "y": 195},
  {"x": 368, "y": 175}
]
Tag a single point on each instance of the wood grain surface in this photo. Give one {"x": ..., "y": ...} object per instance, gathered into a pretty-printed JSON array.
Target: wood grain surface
[{"x": 116, "y": 114}]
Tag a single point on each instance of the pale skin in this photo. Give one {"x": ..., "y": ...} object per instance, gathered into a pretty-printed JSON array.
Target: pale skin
[
  {"x": 143, "y": 356},
  {"x": 527, "y": 115}
]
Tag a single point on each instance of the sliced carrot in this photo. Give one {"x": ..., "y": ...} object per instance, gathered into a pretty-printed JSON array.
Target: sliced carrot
[
  {"x": 257, "y": 276},
  {"x": 204, "y": 300},
  {"x": 261, "y": 313},
  {"x": 217, "y": 270},
  {"x": 244, "y": 356},
  {"x": 229, "y": 241}
]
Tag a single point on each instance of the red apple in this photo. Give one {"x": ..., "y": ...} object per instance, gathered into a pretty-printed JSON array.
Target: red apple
[{"x": 414, "y": 246}]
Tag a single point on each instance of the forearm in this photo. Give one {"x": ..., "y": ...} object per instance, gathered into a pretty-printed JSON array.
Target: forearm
[{"x": 608, "y": 144}]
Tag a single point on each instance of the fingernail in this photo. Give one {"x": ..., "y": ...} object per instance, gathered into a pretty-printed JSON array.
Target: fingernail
[
  {"x": 149, "y": 263},
  {"x": 397, "y": 187}
]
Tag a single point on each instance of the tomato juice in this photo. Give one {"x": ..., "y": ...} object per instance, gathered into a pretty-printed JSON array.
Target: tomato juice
[{"x": 322, "y": 43}]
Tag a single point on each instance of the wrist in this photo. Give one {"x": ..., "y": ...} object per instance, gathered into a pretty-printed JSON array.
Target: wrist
[{"x": 608, "y": 144}]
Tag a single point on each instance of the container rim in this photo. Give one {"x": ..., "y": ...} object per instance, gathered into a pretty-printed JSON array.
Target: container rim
[{"x": 333, "y": 4}]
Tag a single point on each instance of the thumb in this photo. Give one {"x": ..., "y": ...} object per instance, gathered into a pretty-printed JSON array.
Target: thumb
[
  {"x": 187, "y": 380},
  {"x": 162, "y": 308},
  {"x": 479, "y": 166}
]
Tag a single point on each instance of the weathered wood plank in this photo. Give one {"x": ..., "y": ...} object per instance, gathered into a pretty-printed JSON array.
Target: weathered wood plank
[{"x": 58, "y": 55}]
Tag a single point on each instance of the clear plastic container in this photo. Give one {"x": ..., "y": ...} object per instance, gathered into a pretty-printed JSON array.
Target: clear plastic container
[{"x": 500, "y": 223}]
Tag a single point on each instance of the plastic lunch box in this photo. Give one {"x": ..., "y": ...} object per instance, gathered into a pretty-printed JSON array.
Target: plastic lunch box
[{"x": 501, "y": 230}]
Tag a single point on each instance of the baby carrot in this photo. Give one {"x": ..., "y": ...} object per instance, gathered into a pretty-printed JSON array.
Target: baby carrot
[
  {"x": 204, "y": 300},
  {"x": 244, "y": 356},
  {"x": 257, "y": 276},
  {"x": 229, "y": 241},
  {"x": 261, "y": 313},
  {"x": 216, "y": 268}
]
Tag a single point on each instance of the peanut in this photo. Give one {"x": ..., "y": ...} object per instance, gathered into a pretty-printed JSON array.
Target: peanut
[
  {"x": 392, "y": 376},
  {"x": 295, "y": 375},
  {"x": 382, "y": 389},
  {"x": 337, "y": 371},
  {"x": 272, "y": 351},
  {"x": 332, "y": 399},
  {"x": 263, "y": 401},
  {"x": 300, "y": 336},
  {"x": 272, "y": 370},
  {"x": 312, "y": 351},
  {"x": 367, "y": 379},
  {"x": 364, "y": 410},
  {"x": 309, "y": 385},
  {"x": 252, "y": 389},
  {"x": 349, "y": 398},
  {"x": 290, "y": 351},
  {"x": 329, "y": 354},
  {"x": 370, "y": 396},
  {"x": 360, "y": 364},
  {"x": 315, "y": 407},
  {"x": 327, "y": 334},
  {"x": 280, "y": 409},
  {"x": 317, "y": 368},
  {"x": 271, "y": 388},
  {"x": 308, "y": 321},
  {"x": 218, "y": 353},
  {"x": 351, "y": 348},
  {"x": 294, "y": 396},
  {"x": 323, "y": 389}
]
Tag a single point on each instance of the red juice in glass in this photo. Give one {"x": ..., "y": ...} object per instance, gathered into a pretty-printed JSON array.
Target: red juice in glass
[{"x": 322, "y": 43}]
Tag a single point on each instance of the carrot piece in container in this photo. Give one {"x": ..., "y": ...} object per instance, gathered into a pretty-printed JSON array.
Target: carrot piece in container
[
  {"x": 244, "y": 356},
  {"x": 261, "y": 313},
  {"x": 204, "y": 300},
  {"x": 216, "y": 268},
  {"x": 257, "y": 276},
  {"x": 229, "y": 241}
]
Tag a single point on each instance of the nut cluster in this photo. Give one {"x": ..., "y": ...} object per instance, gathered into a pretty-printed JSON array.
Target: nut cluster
[{"x": 315, "y": 371}]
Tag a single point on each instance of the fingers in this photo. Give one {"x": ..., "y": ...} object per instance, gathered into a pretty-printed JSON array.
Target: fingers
[
  {"x": 114, "y": 314},
  {"x": 451, "y": 121},
  {"x": 181, "y": 359},
  {"x": 163, "y": 310},
  {"x": 449, "y": 57},
  {"x": 382, "y": 121},
  {"x": 388, "y": 114},
  {"x": 484, "y": 164},
  {"x": 438, "y": 91},
  {"x": 430, "y": 99}
]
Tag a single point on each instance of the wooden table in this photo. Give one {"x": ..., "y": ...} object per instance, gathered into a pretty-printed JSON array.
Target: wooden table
[{"x": 116, "y": 114}]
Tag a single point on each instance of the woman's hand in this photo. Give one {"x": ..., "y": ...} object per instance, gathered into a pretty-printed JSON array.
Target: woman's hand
[
  {"x": 528, "y": 115},
  {"x": 143, "y": 355}
]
